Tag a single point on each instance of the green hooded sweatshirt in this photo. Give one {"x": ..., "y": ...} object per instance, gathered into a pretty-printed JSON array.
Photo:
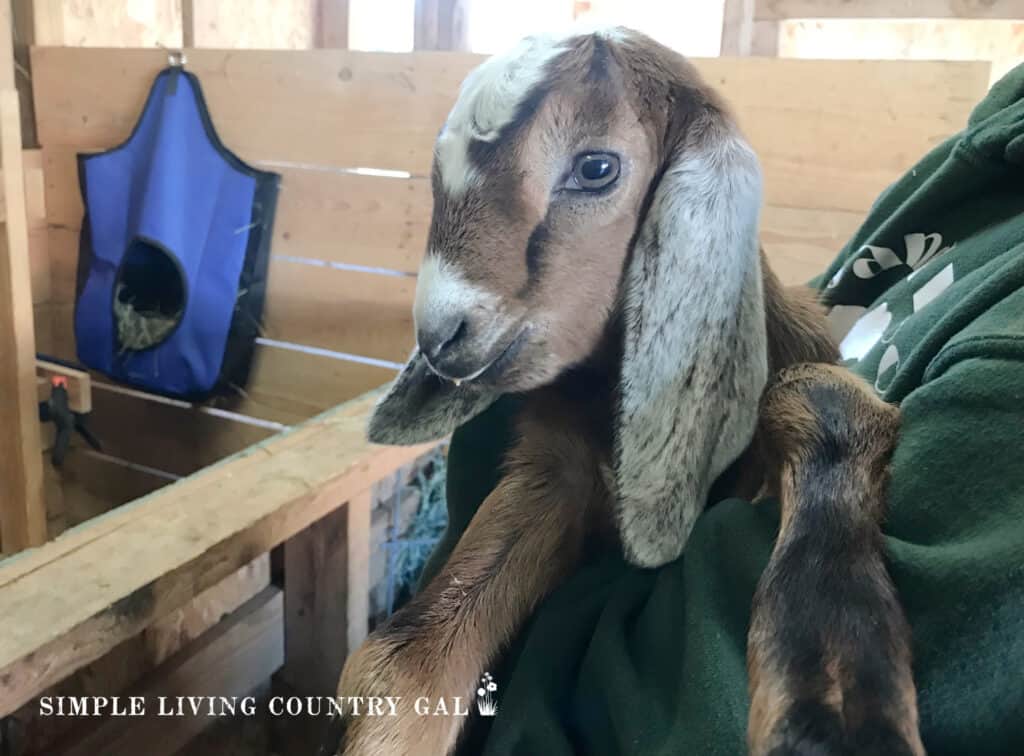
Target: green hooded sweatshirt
[{"x": 928, "y": 299}]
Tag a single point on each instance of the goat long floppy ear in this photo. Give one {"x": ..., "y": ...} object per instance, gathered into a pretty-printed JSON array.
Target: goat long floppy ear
[
  {"x": 421, "y": 407},
  {"x": 694, "y": 351}
]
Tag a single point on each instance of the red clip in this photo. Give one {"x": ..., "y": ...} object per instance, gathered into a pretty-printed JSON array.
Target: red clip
[{"x": 59, "y": 380}]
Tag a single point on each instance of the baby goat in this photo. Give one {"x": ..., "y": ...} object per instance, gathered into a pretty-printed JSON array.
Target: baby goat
[{"x": 594, "y": 248}]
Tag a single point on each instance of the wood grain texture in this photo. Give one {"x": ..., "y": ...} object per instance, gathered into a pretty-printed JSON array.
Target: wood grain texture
[
  {"x": 830, "y": 134},
  {"x": 327, "y": 588},
  {"x": 441, "y": 25},
  {"x": 254, "y": 24},
  {"x": 800, "y": 244},
  {"x": 92, "y": 485},
  {"x": 188, "y": 23},
  {"x": 743, "y": 34},
  {"x": 22, "y": 491},
  {"x": 132, "y": 661},
  {"x": 345, "y": 311},
  {"x": 167, "y": 437},
  {"x": 289, "y": 386},
  {"x": 331, "y": 107},
  {"x": 778, "y": 10},
  {"x": 332, "y": 24},
  {"x": 240, "y": 653},
  {"x": 68, "y": 603}
]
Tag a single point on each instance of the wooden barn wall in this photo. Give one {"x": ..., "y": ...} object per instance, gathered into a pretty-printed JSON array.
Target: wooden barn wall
[
  {"x": 347, "y": 240},
  {"x": 270, "y": 24}
]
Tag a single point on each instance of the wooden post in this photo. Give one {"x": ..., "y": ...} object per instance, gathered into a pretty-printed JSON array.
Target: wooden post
[
  {"x": 22, "y": 502},
  {"x": 188, "y": 23},
  {"x": 1008, "y": 10},
  {"x": 45, "y": 18},
  {"x": 743, "y": 33},
  {"x": 332, "y": 24},
  {"x": 441, "y": 25},
  {"x": 326, "y": 595}
]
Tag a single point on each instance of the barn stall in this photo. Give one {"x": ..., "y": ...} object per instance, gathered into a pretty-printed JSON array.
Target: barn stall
[{"x": 217, "y": 548}]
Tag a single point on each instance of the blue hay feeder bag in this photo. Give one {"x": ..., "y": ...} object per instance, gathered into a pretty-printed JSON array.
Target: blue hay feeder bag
[{"x": 173, "y": 251}]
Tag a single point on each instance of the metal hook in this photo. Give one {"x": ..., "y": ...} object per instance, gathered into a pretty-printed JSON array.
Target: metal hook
[{"x": 176, "y": 58}]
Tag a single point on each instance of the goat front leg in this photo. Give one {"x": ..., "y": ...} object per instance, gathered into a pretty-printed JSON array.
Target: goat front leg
[
  {"x": 526, "y": 536},
  {"x": 829, "y": 646}
]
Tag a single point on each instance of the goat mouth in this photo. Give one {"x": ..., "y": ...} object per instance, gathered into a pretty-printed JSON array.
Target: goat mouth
[{"x": 493, "y": 367}]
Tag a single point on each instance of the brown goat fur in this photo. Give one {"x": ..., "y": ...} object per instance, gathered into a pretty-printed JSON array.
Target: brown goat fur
[{"x": 641, "y": 325}]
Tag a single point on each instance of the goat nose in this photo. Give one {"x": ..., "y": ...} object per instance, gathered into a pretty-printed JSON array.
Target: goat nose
[{"x": 440, "y": 337}]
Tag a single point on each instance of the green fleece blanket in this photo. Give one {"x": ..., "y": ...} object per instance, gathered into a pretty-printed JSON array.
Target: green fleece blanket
[{"x": 929, "y": 299}]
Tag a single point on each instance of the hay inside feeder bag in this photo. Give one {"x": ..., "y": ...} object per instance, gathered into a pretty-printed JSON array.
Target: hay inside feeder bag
[{"x": 149, "y": 300}]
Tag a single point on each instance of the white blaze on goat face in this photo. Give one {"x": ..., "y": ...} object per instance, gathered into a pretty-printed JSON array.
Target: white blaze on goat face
[
  {"x": 488, "y": 100},
  {"x": 441, "y": 291}
]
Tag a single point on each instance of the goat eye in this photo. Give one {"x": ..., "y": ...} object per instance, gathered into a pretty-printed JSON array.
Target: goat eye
[{"x": 593, "y": 171}]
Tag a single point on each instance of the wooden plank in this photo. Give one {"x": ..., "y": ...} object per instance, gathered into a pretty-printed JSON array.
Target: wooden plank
[
  {"x": 94, "y": 484},
  {"x": 357, "y": 602},
  {"x": 344, "y": 311},
  {"x": 737, "y": 27},
  {"x": 188, "y": 23},
  {"x": 7, "y": 52},
  {"x": 67, "y": 603},
  {"x": 168, "y": 635},
  {"x": 24, "y": 38},
  {"x": 389, "y": 107},
  {"x": 48, "y": 22},
  {"x": 830, "y": 134},
  {"x": 288, "y": 386},
  {"x": 232, "y": 659},
  {"x": 441, "y": 25},
  {"x": 22, "y": 497},
  {"x": 326, "y": 594},
  {"x": 780, "y": 10},
  {"x": 43, "y": 316},
  {"x": 133, "y": 660},
  {"x": 332, "y": 24},
  {"x": 53, "y": 490},
  {"x": 167, "y": 436},
  {"x": 357, "y": 220},
  {"x": 171, "y": 437},
  {"x": 800, "y": 244}
]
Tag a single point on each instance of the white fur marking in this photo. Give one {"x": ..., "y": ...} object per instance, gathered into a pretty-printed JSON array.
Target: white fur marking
[
  {"x": 441, "y": 291},
  {"x": 488, "y": 101}
]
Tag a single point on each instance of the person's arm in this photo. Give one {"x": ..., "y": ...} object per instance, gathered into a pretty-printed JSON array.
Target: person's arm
[{"x": 955, "y": 537}]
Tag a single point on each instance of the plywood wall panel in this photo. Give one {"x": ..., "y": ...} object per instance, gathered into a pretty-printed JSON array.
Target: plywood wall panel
[{"x": 344, "y": 311}]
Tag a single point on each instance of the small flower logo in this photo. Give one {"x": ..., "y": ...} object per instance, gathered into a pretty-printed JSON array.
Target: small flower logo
[{"x": 485, "y": 702}]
